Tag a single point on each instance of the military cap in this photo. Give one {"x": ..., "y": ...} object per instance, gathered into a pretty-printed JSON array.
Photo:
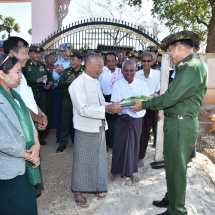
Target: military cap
[
  {"x": 182, "y": 35},
  {"x": 84, "y": 53},
  {"x": 36, "y": 48},
  {"x": 133, "y": 54},
  {"x": 64, "y": 46},
  {"x": 152, "y": 48},
  {"x": 76, "y": 54}
]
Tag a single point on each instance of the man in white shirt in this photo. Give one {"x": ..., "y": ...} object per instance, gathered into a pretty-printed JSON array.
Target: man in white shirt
[
  {"x": 152, "y": 79},
  {"x": 108, "y": 77},
  {"x": 128, "y": 124},
  {"x": 89, "y": 168}
]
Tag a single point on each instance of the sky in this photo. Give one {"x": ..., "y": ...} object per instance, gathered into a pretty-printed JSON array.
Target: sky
[{"x": 21, "y": 12}]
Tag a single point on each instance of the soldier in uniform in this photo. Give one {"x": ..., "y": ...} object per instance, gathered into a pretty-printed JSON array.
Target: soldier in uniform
[
  {"x": 39, "y": 79},
  {"x": 136, "y": 58},
  {"x": 181, "y": 103},
  {"x": 66, "y": 79}
]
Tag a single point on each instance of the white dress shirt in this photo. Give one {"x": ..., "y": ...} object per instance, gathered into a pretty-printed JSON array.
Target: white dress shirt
[
  {"x": 153, "y": 80},
  {"x": 105, "y": 79},
  {"x": 27, "y": 95},
  {"x": 123, "y": 90}
]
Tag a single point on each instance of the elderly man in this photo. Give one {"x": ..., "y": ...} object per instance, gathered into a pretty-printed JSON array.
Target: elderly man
[
  {"x": 128, "y": 127},
  {"x": 152, "y": 79},
  {"x": 181, "y": 103},
  {"x": 89, "y": 170}
]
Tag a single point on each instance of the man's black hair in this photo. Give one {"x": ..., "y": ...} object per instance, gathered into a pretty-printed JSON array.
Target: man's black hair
[
  {"x": 110, "y": 53},
  {"x": 12, "y": 44}
]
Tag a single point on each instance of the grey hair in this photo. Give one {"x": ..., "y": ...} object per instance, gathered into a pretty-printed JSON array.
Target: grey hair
[
  {"x": 126, "y": 62},
  {"x": 146, "y": 53},
  {"x": 91, "y": 56}
]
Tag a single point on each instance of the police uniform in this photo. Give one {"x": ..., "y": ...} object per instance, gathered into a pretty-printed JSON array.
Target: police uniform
[
  {"x": 32, "y": 72},
  {"x": 181, "y": 103},
  {"x": 67, "y": 109}
]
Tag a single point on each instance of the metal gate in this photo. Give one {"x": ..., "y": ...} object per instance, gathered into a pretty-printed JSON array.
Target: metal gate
[{"x": 100, "y": 34}]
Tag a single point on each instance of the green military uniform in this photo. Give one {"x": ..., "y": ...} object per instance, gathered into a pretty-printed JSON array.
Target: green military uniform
[
  {"x": 135, "y": 55},
  {"x": 181, "y": 103},
  {"x": 67, "y": 110},
  {"x": 32, "y": 72}
]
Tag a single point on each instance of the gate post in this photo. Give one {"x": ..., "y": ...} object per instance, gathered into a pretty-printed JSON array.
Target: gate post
[{"x": 165, "y": 67}]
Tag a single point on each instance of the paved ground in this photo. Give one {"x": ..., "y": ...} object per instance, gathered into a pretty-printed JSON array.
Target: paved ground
[{"x": 123, "y": 197}]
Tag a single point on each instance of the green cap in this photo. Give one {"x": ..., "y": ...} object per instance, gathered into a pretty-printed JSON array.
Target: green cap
[
  {"x": 152, "y": 48},
  {"x": 182, "y": 35},
  {"x": 76, "y": 54},
  {"x": 133, "y": 54},
  {"x": 36, "y": 48}
]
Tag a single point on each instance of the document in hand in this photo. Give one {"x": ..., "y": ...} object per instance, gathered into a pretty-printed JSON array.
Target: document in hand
[{"x": 125, "y": 103}]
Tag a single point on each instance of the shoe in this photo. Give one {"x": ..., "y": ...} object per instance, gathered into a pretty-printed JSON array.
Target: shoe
[
  {"x": 159, "y": 166},
  {"x": 165, "y": 213},
  {"x": 161, "y": 204},
  {"x": 156, "y": 163},
  {"x": 43, "y": 142},
  {"x": 60, "y": 149}
]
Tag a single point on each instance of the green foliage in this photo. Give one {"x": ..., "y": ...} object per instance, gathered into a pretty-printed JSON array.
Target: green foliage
[
  {"x": 178, "y": 15},
  {"x": 8, "y": 24}
]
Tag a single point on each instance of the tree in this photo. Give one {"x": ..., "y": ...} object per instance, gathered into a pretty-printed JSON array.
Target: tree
[
  {"x": 195, "y": 15},
  {"x": 9, "y": 25},
  {"x": 113, "y": 9}
]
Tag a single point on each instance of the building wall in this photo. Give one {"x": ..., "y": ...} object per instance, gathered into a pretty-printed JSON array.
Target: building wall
[
  {"x": 44, "y": 19},
  {"x": 209, "y": 59}
]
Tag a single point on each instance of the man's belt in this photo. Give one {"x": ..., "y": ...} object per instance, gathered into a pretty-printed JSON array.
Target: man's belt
[{"x": 173, "y": 115}]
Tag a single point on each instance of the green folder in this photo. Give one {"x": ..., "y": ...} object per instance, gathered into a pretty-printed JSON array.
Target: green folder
[{"x": 125, "y": 103}]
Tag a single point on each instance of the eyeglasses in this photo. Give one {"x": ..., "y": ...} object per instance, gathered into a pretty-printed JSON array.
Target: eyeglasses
[
  {"x": 148, "y": 61},
  {"x": 10, "y": 55}
]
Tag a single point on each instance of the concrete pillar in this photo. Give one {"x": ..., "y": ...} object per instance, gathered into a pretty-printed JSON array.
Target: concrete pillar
[
  {"x": 165, "y": 67},
  {"x": 44, "y": 19}
]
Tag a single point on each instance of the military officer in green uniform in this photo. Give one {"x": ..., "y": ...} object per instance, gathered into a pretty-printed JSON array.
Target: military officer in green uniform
[
  {"x": 39, "y": 79},
  {"x": 66, "y": 79},
  {"x": 133, "y": 55},
  {"x": 181, "y": 103}
]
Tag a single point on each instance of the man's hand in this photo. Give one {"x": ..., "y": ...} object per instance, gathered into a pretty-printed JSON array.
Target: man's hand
[
  {"x": 137, "y": 106},
  {"x": 113, "y": 108},
  {"x": 71, "y": 78},
  {"x": 59, "y": 69},
  {"x": 44, "y": 124}
]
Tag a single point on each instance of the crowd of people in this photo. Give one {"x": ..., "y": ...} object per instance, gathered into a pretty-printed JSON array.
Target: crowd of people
[{"x": 79, "y": 95}]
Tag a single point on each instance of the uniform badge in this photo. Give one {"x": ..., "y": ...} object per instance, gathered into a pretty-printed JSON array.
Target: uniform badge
[
  {"x": 29, "y": 68},
  {"x": 41, "y": 69},
  {"x": 69, "y": 72}
]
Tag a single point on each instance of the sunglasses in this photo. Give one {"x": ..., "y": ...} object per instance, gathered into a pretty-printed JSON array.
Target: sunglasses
[
  {"x": 148, "y": 61},
  {"x": 10, "y": 55}
]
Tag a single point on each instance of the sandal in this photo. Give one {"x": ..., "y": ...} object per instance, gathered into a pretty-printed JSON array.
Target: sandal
[
  {"x": 100, "y": 195},
  {"x": 81, "y": 202}
]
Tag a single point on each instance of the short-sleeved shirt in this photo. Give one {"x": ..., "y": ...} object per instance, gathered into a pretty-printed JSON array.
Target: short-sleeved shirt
[
  {"x": 123, "y": 90},
  {"x": 64, "y": 63},
  {"x": 153, "y": 80}
]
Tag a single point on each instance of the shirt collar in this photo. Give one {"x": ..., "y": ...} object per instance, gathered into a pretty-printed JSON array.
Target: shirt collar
[{"x": 89, "y": 78}]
